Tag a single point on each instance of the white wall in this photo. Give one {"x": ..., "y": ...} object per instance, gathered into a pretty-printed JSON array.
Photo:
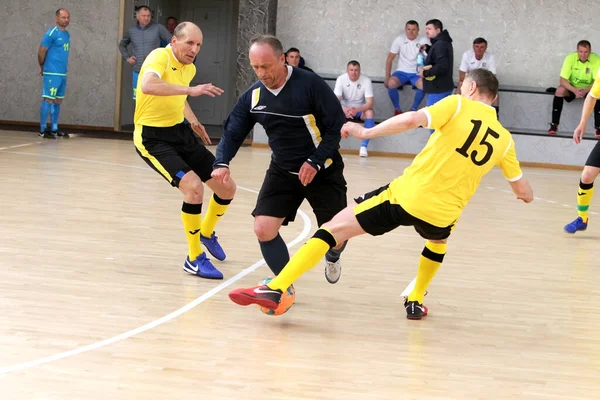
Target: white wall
[{"x": 529, "y": 37}]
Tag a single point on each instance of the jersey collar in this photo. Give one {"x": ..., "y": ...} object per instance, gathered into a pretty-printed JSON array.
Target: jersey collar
[{"x": 174, "y": 59}]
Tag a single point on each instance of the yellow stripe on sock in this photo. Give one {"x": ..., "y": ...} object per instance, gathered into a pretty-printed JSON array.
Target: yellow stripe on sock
[{"x": 584, "y": 199}]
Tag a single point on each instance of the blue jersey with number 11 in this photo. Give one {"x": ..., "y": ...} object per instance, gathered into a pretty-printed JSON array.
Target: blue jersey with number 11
[{"x": 58, "y": 42}]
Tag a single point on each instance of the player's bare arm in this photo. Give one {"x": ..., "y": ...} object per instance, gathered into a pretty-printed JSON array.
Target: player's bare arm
[
  {"x": 153, "y": 85},
  {"x": 398, "y": 124},
  {"x": 195, "y": 124},
  {"x": 588, "y": 107},
  {"x": 522, "y": 189},
  {"x": 42, "y": 58}
]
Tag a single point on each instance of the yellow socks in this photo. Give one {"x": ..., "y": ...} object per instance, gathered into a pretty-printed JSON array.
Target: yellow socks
[
  {"x": 305, "y": 259},
  {"x": 429, "y": 263},
  {"x": 216, "y": 209},
  {"x": 584, "y": 198},
  {"x": 191, "y": 217}
]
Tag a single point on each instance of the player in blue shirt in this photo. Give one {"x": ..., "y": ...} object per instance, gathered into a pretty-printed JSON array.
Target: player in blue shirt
[{"x": 53, "y": 57}]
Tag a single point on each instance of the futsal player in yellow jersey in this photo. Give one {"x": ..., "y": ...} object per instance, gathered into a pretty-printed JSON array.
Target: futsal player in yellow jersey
[
  {"x": 430, "y": 195},
  {"x": 592, "y": 165},
  {"x": 175, "y": 149}
]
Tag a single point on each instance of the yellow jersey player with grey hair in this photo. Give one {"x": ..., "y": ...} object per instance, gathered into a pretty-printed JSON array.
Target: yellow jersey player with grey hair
[{"x": 176, "y": 150}]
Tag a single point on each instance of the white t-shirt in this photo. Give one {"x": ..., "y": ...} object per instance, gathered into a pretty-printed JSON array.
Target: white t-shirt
[
  {"x": 353, "y": 94},
  {"x": 469, "y": 62},
  {"x": 287, "y": 78},
  {"x": 407, "y": 51}
]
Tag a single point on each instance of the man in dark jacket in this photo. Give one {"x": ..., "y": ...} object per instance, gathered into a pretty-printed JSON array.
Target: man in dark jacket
[
  {"x": 437, "y": 73},
  {"x": 303, "y": 119},
  {"x": 144, "y": 37}
]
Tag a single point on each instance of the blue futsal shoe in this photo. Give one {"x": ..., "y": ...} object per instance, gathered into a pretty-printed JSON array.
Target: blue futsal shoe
[
  {"x": 212, "y": 245},
  {"x": 202, "y": 267},
  {"x": 577, "y": 225}
]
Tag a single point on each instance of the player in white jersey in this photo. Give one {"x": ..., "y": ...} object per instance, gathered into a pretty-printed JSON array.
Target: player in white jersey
[{"x": 406, "y": 47}]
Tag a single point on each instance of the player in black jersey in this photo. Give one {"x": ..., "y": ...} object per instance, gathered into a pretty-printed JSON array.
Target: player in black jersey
[{"x": 303, "y": 119}]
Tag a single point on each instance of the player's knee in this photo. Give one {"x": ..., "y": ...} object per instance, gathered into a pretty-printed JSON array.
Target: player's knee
[
  {"x": 394, "y": 83},
  {"x": 192, "y": 188},
  {"x": 229, "y": 190},
  {"x": 438, "y": 241},
  {"x": 369, "y": 114},
  {"x": 561, "y": 91},
  {"x": 225, "y": 190},
  {"x": 264, "y": 230},
  {"x": 589, "y": 174}
]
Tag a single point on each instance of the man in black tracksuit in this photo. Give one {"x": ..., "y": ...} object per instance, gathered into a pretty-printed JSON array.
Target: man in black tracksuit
[
  {"x": 303, "y": 120},
  {"x": 437, "y": 74}
]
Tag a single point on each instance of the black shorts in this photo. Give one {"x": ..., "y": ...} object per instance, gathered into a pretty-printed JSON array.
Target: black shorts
[
  {"x": 594, "y": 157},
  {"x": 282, "y": 193},
  {"x": 173, "y": 151},
  {"x": 378, "y": 213}
]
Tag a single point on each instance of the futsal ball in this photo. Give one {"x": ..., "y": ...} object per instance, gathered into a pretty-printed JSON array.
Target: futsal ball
[{"x": 287, "y": 300}]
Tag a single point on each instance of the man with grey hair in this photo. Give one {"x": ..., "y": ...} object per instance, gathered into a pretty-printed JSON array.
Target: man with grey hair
[
  {"x": 144, "y": 37},
  {"x": 177, "y": 150},
  {"x": 302, "y": 118}
]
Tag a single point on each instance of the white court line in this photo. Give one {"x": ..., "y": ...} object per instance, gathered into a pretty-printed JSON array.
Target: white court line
[
  {"x": 409, "y": 288},
  {"x": 145, "y": 167},
  {"x": 164, "y": 319},
  {"x": 18, "y": 145}
]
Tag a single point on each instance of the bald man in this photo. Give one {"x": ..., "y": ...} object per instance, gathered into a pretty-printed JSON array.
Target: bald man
[{"x": 177, "y": 150}]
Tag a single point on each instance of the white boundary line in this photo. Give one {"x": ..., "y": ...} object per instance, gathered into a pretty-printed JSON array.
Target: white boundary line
[
  {"x": 161, "y": 320},
  {"x": 18, "y": 145}
]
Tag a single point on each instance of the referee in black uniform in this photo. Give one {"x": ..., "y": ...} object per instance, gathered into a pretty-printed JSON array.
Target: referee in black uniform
[{"x": 303, "y": 119}]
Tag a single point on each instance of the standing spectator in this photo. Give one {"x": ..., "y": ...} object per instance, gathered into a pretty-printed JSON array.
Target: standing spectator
[
  {"x": 355, "y": 92},
  {"x": 171, "y": 25},
  {"x": 53, "y": 57},
  {"x": 477, "y": 57},
  {"x": 406, "y": 47},
  {"x": 576, "y": 80},
  {"x": 144, "y": 37},
  {"x": 438, "y": 81}
]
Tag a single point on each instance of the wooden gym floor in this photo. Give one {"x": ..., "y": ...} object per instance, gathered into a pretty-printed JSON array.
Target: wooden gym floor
[{"x": 94, "y": 303}]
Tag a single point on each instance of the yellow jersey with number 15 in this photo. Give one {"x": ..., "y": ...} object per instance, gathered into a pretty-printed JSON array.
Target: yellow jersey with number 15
[{"x": 467, "y": 143}]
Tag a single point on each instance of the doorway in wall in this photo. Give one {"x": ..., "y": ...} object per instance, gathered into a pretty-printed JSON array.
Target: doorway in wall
[{"x": 216, "y": 62}]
